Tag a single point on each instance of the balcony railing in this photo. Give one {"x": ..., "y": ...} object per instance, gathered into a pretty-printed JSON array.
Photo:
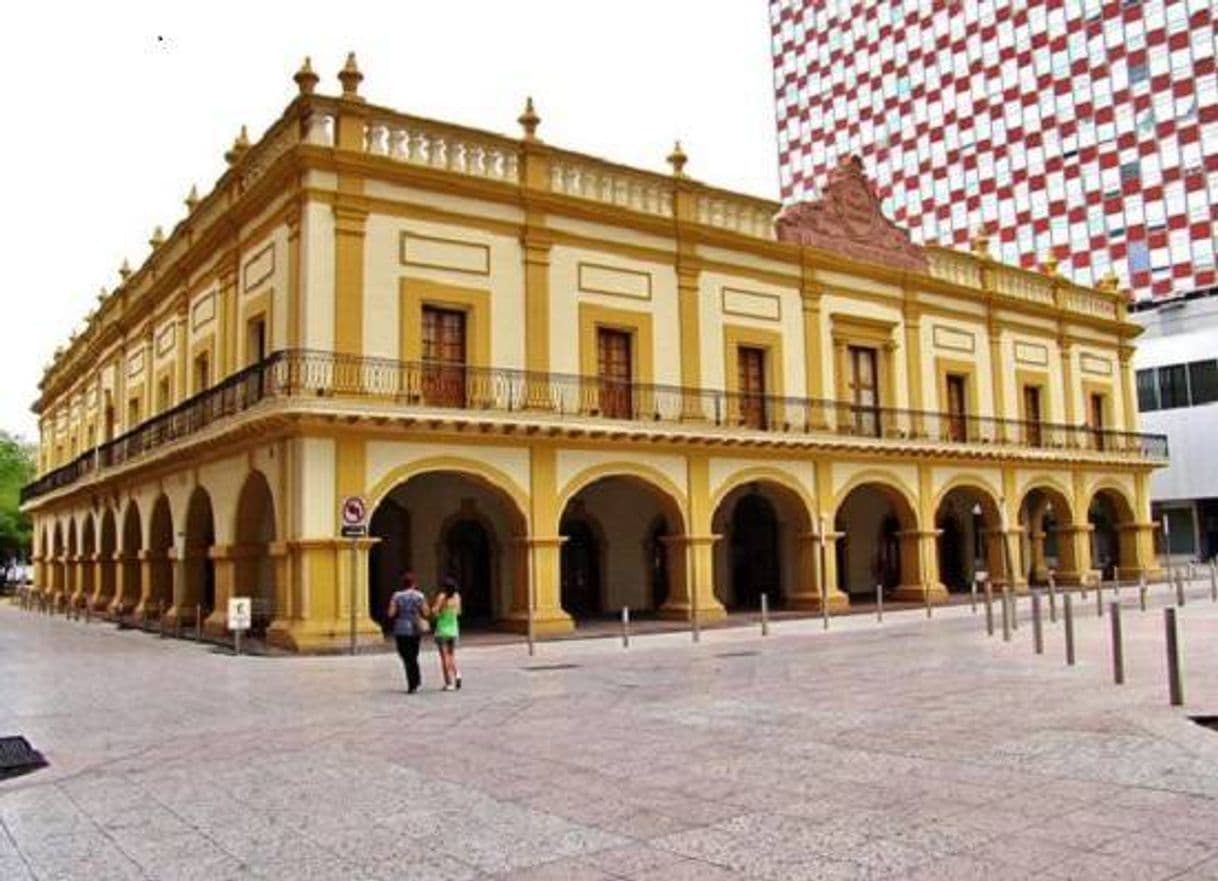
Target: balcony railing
[{"x": 303, "y": 374}]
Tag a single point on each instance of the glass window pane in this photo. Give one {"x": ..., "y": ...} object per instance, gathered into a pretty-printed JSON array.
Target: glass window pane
[
  {"x": 1173, "y": 390},
  {"x": 1204, "y": 377},
  {"x": 1180, "y": 522},
  {"x": 1148, "y": 398}
]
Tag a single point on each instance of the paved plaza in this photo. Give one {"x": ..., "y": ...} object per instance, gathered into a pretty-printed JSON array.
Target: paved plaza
[{"x": 914, "y": 749}]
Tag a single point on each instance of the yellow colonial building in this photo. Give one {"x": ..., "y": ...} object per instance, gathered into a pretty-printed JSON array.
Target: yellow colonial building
[{"x": 560, "y": 378}]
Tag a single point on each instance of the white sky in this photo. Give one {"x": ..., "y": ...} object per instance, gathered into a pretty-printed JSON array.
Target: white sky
[{"x": 114, "y": 109}]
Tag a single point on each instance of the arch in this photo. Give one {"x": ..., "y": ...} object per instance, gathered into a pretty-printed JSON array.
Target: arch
[
  {"x": 1047, "y": 518},
  {"x": 970, "y": 538},
  {"x": 160, "y": 542},
  {"x": 633, "y": 472},
  {"x": 976, "y": 483},
  {"x": 606, "y": 559},
  {"x": 57, "y": 562},
  {"x": 763, "y": 474},
  {"x": 199, "y": 570},
  {"x": 255, "y": 532},
  {"x": 429, "y": 523},
  {"x": 130, "y": 544},
  {"x": 107, "y": 547},
  {"x": 766, "y": 525},
  {"x": 88, "y": 554},
  {"x": 471, "y": 468},
  {"x": 878, "y": 525},
  {"x": 1109, "y": 513}
]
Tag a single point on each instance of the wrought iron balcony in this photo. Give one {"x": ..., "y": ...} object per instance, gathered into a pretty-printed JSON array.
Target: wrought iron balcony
[{"x": 469, "y": 391}]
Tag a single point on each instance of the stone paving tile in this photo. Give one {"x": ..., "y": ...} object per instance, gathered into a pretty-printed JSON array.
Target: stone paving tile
[{"x": 806, "y": 759}]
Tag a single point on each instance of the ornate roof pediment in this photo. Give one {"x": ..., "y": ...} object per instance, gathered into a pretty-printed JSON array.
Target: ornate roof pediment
[{"x": 848, "y": 221}]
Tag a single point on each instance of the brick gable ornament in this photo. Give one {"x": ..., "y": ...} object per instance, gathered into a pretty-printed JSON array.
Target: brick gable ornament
[{"x": 848, "y": 221}]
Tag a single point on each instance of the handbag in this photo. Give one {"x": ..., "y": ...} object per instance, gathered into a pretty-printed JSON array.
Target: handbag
[{"x": 421, "y": 624}]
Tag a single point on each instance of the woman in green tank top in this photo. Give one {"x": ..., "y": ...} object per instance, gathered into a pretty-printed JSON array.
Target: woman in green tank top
[{"x": 446, "y": 611}]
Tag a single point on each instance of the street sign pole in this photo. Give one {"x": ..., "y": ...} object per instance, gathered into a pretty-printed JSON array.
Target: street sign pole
[{"x": 353, "y": 516}]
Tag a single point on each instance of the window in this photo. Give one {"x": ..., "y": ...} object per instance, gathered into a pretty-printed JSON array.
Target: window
[
  {"x": 162, "y": 394},
  {"x": 133, "y": 413},
  {"x": 615, "y": 370},
  {"x": 255, "y": 340},
  {"x": 443, "y": 357},
  {"x": 1031, "y": 414},
  {"x": 1181, "y": 532},
  {"x": 1148, "y": 390},
  {"x": 1173, "y": 387},
  {"x": 864, "y": 381},
  {"x": 750, "y": 365},
  {"x": 1203, "y": 382},
  {"x": 1097, "y": 420},
  {"x": 202, "y": 372},
  {"x": 108, "y": 419},
  {"x": 957, "y": 411}
]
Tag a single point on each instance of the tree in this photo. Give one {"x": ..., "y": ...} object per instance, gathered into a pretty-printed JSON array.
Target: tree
[{"x": 16, "y": 470}]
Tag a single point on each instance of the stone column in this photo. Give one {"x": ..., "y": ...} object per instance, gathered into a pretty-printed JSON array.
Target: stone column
[
  {"x": 920, "y": 567},
  {"x": 806, "y": 594},
  {"x": 225, "y": 564},
  {"x": 540, "y": 559},
  {"x": 1074, "y": 550},
  {"x": 694, "y": 554},
  {"x": 99, "y": 598}
]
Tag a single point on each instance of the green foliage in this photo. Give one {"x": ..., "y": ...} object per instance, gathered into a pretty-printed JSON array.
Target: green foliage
[{"x": 16, "y": 470}]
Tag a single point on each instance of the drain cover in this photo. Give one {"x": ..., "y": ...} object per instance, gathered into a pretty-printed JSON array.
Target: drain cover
[
  {"x": 735, "y": 654},
  {"x": 541, "y": 668},
  {"x": 18, "y": 757}
]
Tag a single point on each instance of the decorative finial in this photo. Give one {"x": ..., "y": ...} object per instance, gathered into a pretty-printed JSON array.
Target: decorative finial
[
  {"x": 1109, "y": 283},
  {"x": 677, "y": 160},
  {"x": 529, "y": 120},
  {"x": 306, "y": 79},
  {"x": 980, "y": 243},
  {"x": 350, "y": 77},
  {"x": 240, "y": 144},
  {"x": 1050, "y": 264},
  {"x": 192, "y": 199},
  {"x": 124, "y": 271},
  {"x": 158, "y": 238}
]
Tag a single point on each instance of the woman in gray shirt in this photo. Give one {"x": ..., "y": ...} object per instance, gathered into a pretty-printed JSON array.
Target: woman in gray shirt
[{"x": 408, "y": 609}]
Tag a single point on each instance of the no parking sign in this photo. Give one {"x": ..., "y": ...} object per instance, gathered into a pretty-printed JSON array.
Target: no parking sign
[{"x": 354, "y": 517}]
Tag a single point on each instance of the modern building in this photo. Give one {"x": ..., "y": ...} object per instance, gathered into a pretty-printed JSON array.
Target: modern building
[
  {"x": 1177, "y": 376},
  {"x": 1083, "y": 131},
  {"x": 565, "y": 379}
]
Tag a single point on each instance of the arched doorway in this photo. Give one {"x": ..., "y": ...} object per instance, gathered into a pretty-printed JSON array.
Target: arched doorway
[
  {"x": 970, "y": 539},
  {"x": 878, "y": 543},
  {"x": 766, "y": 546},
  {"x": 469, "y": 558},
  {"x": 57, "y": 562},
  {"x": 657, "y": 561},
  {"x": 71, "y": 563},
  {"x": 160, "y": 568},
  {"x": 130, "y": 585},
  {"x": 450, "y": 523},
  {"x": 1107, "y": 514},
  {"x": 613, "y": 541},
  {"x": 88, "y": 568},
  {"x": 1047, "y": 540},
  {"x": 199, "y": 593},
  {"x": 255, "y": 569},
  {"x": 107, "y": 545},
  {"x": 581, "y": 566}
]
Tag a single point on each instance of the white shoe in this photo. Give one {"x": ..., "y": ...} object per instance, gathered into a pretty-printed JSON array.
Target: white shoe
[{"x": 447, "y": 688}]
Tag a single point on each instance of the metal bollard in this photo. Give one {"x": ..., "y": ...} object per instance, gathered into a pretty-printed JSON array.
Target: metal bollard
[
  {"x": 973, "y": 594},
  {"x": 1082, "y": 586},
  {"x": 1099, "y": 599},
  {"x": 1014, "y": 610},
  {"x": 1118, "y": 647},
  {"x": 199, "y": 622},
  {"x": 88, "y": 612},
  {"x": 879, "y": 603},
  {"x": 1038, "y": 633},
  {"x": 765, "y": 614},
  {"x": 926, "y": 598},
  {"x": 1179, "y": 588},
  {"x": 989, "y": 609},
  {"x": 1175, "y": 683},
  {"x": 1006, "y": 614},
  {"x": 1068, "y": 609},
  {"x": 237, "y": 641},
  {"x": 626, "y": 623},
  {"x": 160, "y": 613},
  {"x": 1213, "y": 582},
  {"x": 1052, "y": 599},
  {"x": 1142, "y": 592}
]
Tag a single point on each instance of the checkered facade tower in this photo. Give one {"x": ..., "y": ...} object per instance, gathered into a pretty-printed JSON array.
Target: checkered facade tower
[{"x": 1085, "y": 128}]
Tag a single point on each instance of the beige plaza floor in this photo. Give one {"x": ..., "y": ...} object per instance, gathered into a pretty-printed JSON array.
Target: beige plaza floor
[{"x": 911, "y": 749}]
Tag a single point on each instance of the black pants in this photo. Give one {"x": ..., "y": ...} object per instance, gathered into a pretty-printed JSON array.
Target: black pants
[{"x": 408, "y": 648}]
